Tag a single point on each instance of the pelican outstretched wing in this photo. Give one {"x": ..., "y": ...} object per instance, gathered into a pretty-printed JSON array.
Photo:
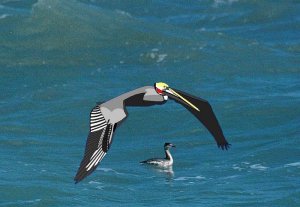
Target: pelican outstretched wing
[
  {"x": 205, "y": 114},
  {"x": 97, "y": 144}
]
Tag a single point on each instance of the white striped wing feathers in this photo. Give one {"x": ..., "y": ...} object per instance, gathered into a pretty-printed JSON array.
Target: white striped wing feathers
[
  {"x": 97, "y": 155},
  {"x": 95, "y": 159},
  {"x": 97, "y": 120},
  {"x": 97, "y": 123},
  {"x": 98, "y": 143}
]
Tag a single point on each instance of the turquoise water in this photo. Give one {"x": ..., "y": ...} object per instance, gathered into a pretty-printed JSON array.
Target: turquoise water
[{"x": 58, "y": 58}]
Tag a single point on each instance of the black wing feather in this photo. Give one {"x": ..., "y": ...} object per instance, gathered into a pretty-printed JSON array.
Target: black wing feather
[{"x": 205, "y": 115}]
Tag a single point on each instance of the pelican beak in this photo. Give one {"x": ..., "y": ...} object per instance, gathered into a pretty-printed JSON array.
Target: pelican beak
[{"x": 170, "y": 92}]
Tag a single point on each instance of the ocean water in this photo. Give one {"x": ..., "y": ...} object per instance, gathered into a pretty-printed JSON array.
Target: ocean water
[{"x": 59, "y": 57}]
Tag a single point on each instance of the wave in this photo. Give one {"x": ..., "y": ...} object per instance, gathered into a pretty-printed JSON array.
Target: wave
[{"x": 84, "y": 34}]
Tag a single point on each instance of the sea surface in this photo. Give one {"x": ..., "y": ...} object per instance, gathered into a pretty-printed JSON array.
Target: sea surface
[{"x": 59, "y": 57}]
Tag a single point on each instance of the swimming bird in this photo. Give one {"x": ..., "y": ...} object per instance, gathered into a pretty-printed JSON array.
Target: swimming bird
[
  {"x": 162, "y": 162},
  {"x": 106, "y": 117}
]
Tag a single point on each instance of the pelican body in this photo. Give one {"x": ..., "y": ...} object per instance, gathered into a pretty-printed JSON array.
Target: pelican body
[
  {"x": 115, "y": 111},
  {"x": 162, "y": 162},
  {"x": 106, "y": 117}
]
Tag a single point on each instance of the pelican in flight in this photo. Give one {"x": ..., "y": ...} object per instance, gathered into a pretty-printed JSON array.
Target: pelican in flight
[
  {"x": 107, "y": 116},
  {"x": 162, "y": 162}
]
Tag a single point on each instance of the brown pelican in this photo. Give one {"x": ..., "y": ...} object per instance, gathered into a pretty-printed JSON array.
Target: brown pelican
[
  {"x": 162, "y": 162},
  {"x": 105, "y": 117}
]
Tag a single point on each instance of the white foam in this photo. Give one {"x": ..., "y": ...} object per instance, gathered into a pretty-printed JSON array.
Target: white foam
[
  {"x": 3, "y": 16},
  {"x": 161, "y": 57},
  {"x": 294, "y": 164},
  {"x": 94, "y": 182},
  {"x": 237, "y": 168},
  {"x": 222, "y": 2},
  {"x": 152, "y": 55},
  {"x": 98, "y": 185},
  {"x": 109, "y": 170},
  {"x": 247, "y": 165},
  {"x": 258, "y": 167},
  {"x": 199, "y": 177},
  {"x": 189, "y": 178},
  {"x": 32, "y": 201},
  {"x": 231, "y": 177},
  {"x": 106, "y": 169},
  {"x": 123, "y": 13},
  {"x": 181, "y": 178}
]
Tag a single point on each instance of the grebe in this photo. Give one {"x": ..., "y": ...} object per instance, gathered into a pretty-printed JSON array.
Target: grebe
[{"x": 162, "y": 162}]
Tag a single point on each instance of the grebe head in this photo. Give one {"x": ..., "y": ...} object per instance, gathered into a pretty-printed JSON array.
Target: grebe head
[{"x": 168, "y": 146}]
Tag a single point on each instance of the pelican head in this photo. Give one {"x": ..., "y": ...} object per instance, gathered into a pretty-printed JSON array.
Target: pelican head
[
  {"x": 161, "y": 87},
  {"x": 164, "y": 90},
  {"x": 167, "y": 146}
]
